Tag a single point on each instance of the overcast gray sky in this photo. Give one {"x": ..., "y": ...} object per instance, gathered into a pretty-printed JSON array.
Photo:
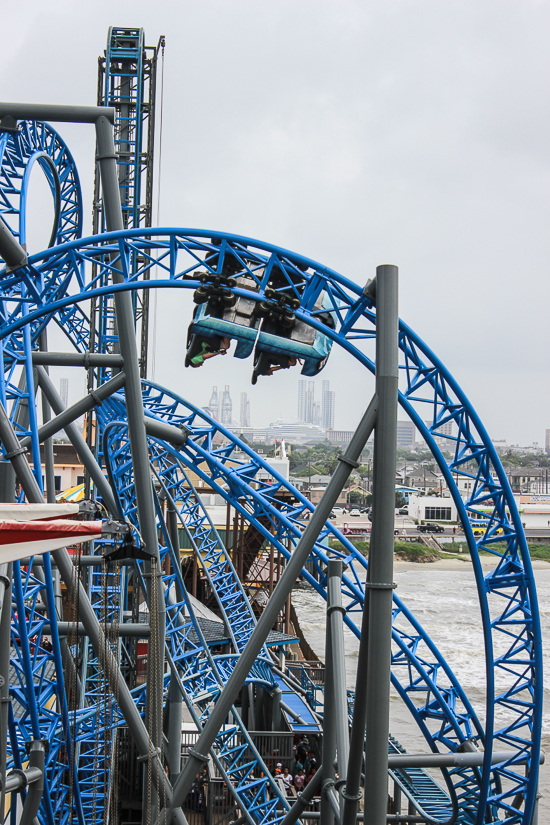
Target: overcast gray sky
[{"x": 413, "y": 132}]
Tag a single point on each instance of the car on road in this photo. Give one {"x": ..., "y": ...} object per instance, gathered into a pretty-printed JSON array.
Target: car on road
[
  {"x": 430, "y": 527},
  {"x": 355, "y": 512},
  {"x": 403, "y": 511}
]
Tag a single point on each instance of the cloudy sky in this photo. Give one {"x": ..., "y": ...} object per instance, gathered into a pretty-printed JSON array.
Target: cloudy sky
[{"x": 413, "y": 132}]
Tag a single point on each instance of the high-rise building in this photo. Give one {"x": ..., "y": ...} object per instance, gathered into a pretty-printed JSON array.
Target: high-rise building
[
  {"x": 327, "y": 406},
  {"x": 310, "y": 402},
  {"x": 406, "y": 434},
  {"x": 302, "y": 392},
  {"x": 226, "y": 412},
  {"x": 306, "y": 402},
  {"x": 214, "y": 405},
  {"x": 245, "y": 411},
  {"x": 547, "y": 443},
  {"x": 64, "y": 391}
]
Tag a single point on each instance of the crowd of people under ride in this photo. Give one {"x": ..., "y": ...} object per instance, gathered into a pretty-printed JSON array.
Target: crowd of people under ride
[{"x": 293, "y": 780}]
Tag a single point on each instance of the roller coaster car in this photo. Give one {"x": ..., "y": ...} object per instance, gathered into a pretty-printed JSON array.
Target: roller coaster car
[
  {"x": 279, "y": 338},
  {"x": 216, "y": 322},
  {"x": 285, "y": 340}
]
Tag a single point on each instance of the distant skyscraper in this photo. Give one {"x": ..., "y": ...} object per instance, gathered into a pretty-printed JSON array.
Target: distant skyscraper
[
  {"x": 245, "y": 410},
  {"x": 302, "y": 393},
  {"x": 64, "y": 391},
  {"x": 226, "y": 416},
  {"x": 310, "y": 402},
  {"x": 316, "y": 414},
  {"x": 547, "y": 443},
  {"x": 406, "y": 435},
  {"x": 215, "y": 404},
  {"x": 327, "y": 407}
]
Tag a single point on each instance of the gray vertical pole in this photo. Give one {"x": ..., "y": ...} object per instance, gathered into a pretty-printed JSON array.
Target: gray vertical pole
[
  {"x": 176, "y": 700},
  {"x": 7, "y": 494},
  {"x": 276, "y": 709},
  {"x": 48, "y": 443},
  {"x": 174, "y": 729},
  {"x": 335, "y": 617},
  {"x": 380, "y": 582},
  {"x": 5, "y": 629},
  {"x": 329, "y": 729},
  {"x": 106, "y": 158},
  {"x": 275, "y": 603},
  {"x": 63, "y": 561}
]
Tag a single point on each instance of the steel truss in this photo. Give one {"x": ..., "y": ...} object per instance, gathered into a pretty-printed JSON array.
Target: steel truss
[{"x": 53, "y": 285}]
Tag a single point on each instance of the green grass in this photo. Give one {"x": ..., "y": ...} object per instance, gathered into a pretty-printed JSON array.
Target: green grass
[
  {"x": 538, "y": 551},
  {"x": 413, "y": 551},
  {"x": 406, "y": 550}
]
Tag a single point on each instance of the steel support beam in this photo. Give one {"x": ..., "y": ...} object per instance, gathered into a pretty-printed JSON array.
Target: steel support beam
[
  {"x": 76, "y": 359},
  {"x": 54, "y": 112},
  {"x": 106, "y": 159},
  {"x": 329, "y": 732},
  {"x": 372, "y": 698},
  {"x": 83, "y": 451},
  {"x": 10, "y": 249},
  {"x": 76, "y": 410},
  {"x": 135, "y": 630},
  {"x": 335, "y": 618},
  {"x": 75, "y": 592},
  {"x": 283, "y": 589},
  {"x": 35, "y": 782},
  {"x": 5, "y": 632}
]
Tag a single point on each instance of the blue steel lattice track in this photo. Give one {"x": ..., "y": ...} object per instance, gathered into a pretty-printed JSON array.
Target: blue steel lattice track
[{"x": 55, "y": 283}]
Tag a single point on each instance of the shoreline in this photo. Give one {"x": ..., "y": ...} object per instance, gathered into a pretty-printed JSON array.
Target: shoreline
[{"x": 454, "y": 564}]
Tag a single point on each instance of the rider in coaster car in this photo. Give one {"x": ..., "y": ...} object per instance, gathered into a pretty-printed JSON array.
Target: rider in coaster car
[
  {"x": 266, "y": 364},
  {"x": 201, "y": 348}
]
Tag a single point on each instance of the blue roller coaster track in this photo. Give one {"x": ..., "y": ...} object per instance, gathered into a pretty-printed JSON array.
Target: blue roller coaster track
[
  {"x": 507, "y": 594},
  {"x": 57, "y": 285}
]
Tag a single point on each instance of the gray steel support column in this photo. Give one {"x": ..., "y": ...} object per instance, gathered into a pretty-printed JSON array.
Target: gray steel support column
[
  {"x": 174, "y": 728},
  {"x": 78, "y": 442},
  {"x": 76, "y": 359},
  {"x": 5, "y": 630},
  {"x": 52, "y": 111},
  {"x": 329, "y": 730},
  {"x": 70, "y": 414},
  {"x": 251, "y": 708},
  {"x": 283, "y": 589},
  {"x": 304, "y": 799},
  {"x": 335, "y": 616},
  {"x": 49, "y": 471},
  {"x": 7, "y": 494},
  {"x": 106, "y": 158},
  {"x": 35, "y": 789},
  {"x": 10, "y": 249},
  {"x": 134, "y": 630},
  {"x": 380, "y": 582},
  {"x": 86, "y": 613},
  {"x": 276, "y": 709}
]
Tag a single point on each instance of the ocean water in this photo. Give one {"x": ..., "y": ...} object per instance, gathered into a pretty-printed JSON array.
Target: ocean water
[{"x": 445, "y": 602}]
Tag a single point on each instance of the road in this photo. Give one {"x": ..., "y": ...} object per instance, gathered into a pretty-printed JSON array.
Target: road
[{"x": 407, "y": 528}]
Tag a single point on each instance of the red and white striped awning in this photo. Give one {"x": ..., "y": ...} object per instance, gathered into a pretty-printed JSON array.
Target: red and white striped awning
[{"x": 32, "y": 529}]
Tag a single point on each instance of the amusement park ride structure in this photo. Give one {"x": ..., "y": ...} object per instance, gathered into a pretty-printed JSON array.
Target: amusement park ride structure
[{"x": 71, "y": 680}]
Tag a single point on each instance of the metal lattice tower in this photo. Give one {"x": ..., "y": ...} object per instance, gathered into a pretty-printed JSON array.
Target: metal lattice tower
[{"x": 127, "y": 81}]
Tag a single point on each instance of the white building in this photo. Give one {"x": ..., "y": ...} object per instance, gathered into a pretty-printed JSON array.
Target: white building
[{"x": 432, "y": 508}]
